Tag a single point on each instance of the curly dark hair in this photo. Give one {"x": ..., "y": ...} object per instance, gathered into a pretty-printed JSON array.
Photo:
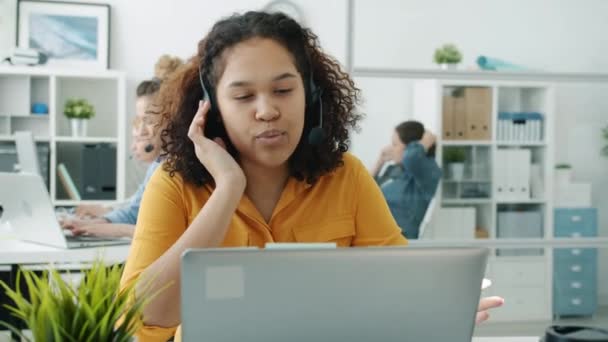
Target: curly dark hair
[{"x": 180, "y": 96}]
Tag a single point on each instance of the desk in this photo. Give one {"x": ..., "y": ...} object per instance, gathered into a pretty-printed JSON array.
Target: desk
[
  {"x": 14, "y": 253},
  {"x": 506, "y": 339}
]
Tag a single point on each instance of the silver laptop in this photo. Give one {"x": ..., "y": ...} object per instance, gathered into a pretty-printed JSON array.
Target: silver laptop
[
  {"x": 26, "y": 206},
  {"x": 346, "y": 294},
  {"x": 26, "y": 152}
]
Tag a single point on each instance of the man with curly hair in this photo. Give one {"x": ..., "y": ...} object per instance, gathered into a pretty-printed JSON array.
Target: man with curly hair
[{"x": 240, "y": 168}]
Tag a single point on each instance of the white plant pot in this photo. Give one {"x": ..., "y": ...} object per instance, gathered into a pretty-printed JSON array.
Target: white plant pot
[
  {"x": 79, "y": 127},
  {"x": 456, "y": 171},
  {"x": 448, "y": 66},
  {"x": 563, "y": 176}
]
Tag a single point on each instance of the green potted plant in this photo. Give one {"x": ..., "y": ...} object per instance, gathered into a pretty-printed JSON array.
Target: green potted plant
[
  {"x": 57, "y": 310},
  {"x": 454, "y": 158},
  {"x": 78, "y": 111},
  {"x": 447, "y": 56},
  {"x": 563, "y": 173}
]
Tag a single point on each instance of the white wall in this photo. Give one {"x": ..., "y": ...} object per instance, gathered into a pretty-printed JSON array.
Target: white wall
[
  {"x": 553, "y": 35},
  {"x": 8, "y": 24}
]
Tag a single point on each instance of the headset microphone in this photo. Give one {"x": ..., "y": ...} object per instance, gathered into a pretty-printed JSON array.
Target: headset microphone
[{"x": 316, "y": 134}]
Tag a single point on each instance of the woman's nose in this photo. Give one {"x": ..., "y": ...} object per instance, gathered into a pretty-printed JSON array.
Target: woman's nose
[{"x": 266, "y": 110}]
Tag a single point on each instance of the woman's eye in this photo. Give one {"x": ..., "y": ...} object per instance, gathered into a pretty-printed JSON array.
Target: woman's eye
[
  {"x": 283, "y": 91},
  {"x": 242, "y": 97}
]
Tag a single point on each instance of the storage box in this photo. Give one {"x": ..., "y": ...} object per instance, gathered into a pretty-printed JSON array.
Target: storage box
[
  {"x": 573, "y": 195},
  {"x": 453, "y": 223},
  {"x": 518, "y": 225}
]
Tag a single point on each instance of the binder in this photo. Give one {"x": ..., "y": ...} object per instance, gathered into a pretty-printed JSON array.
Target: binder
[
  {"x": 517, "y": 178},
  {"x": 459, "y": 118},
  {"x": 67, "y": 182},
  {"x": 501, "y": 181},
  {"x": 478, "y": 113},
  {"x": 448, "y": 118}
]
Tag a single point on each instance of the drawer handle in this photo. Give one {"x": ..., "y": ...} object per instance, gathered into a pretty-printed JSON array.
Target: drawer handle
[
  {"x": 576, "y": 301},
  {"x": 576, "y": 251},
  {"x": 576, "y": 285},
  {"x": 576, "y": 268},
  {"x": 576, "y": 218}
]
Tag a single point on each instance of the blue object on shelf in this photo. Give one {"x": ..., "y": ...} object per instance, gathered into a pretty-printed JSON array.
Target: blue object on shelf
[
  {"x": 40, "y": 108},
  {"x": 489, "y": 63}
]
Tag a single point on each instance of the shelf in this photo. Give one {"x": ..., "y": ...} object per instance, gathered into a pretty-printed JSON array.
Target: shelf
[
  {"x": 450, "y": 181},
  {"x": 61, "y": 72},
  {"x": 481, "y": 75},
  {"x": 466, "y": 143},
  {"x": 87, "y": 139},
  {"x": 466, "y": 201},
  {"x": 522, "y": 201},
  {"x": 521, "y": 143},
  {"x": 517, "y": 243},
  {"x": 28, "y": 116},
  {"x": 12, "y": 138},
  {"x": 518, "y": 258}
]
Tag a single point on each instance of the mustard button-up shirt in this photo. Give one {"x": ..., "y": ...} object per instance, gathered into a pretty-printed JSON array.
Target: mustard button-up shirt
[{"x": 345, "y": 206}]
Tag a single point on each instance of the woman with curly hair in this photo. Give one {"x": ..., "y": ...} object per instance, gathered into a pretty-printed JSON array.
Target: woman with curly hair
[{"x": 249, "y": 164}]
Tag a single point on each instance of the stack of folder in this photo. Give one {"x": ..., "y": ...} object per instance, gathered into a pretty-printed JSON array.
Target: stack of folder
[
  {"x": 520, "y": 126},
  {"x": 466, "y": 114}
]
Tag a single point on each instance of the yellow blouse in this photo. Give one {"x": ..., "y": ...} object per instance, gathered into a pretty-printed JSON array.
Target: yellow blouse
[{"x": 345, "y": 206}]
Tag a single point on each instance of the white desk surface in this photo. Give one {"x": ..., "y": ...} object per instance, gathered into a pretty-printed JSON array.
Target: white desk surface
[
  {"x": 13, "y": 251},
  {"x": 506, "y": 339}
]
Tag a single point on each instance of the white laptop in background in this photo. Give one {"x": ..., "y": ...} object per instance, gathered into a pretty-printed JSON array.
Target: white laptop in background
[
  {"x": 27, "y": 156},
  {"x": 347, "y": 294},
  {"x": 28, "y": 209}
]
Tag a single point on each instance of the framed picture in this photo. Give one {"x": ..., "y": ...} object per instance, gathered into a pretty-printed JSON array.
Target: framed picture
[{"x": 72, "y": 34}]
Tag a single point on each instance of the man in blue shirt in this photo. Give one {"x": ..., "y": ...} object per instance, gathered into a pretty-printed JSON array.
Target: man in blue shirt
[{"x": 409, "y": 184}]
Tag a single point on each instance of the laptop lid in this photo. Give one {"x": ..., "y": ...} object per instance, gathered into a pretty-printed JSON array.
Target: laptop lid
[
  {"x": 26, "y": 152},
  {"x": 30, "y": 213},
  {"x": 345, "y": 294}
]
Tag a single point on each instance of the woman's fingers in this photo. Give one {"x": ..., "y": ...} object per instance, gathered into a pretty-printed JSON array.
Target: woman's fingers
[{"x": 197, "y": 127}]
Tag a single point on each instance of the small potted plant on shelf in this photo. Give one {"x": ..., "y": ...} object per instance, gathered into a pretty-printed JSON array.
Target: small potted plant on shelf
[
  {"x": 55, "y": 309},
  {"x": 563, "y": 174},
  {"x": 447, "y": 56},
  {"x": 78, "y": 111},
  {"x": 454, "y": 158}
]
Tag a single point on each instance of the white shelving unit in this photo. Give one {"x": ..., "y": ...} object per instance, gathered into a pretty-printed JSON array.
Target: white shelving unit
[
  {"x": 524, "y": 279},
  {"x": 21, "y": 87}
]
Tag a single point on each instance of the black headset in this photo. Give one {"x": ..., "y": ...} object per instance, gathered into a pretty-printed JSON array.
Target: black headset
[{"x": 313, "y": 94}]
